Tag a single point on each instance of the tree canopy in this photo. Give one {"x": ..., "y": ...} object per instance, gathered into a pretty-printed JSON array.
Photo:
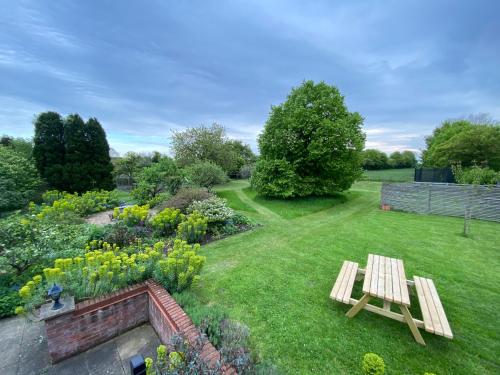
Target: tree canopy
[
  {"x": 463, "y": 142},
  {"x": 311, "y": 145},
  {"x": 71, "y": 154},
  {"x": 210, "y": 143}
]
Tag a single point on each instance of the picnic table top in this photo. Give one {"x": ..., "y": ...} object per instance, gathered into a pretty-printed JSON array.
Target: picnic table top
[{"x": 385, "y": 278}]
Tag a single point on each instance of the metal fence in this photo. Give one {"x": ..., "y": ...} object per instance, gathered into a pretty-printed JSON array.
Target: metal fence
[
  {"x": 474, "y": 201},
  {"x": 434, "y": 175}
]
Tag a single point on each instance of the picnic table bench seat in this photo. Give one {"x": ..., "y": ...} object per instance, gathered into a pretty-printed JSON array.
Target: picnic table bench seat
[
  {"x": 435, "y": 320},
  {"x": 342, "y": 288}
]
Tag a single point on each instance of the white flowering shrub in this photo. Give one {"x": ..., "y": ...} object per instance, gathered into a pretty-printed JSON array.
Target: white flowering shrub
[{"x": 215, "y": 209}]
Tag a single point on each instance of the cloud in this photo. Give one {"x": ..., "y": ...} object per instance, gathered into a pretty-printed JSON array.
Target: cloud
[{"x": 145, "y": 71}]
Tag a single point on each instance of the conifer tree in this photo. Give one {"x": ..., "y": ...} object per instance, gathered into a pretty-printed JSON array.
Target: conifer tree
[{"x": 48, "y": 149}]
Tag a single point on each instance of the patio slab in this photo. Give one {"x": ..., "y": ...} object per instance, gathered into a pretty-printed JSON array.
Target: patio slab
[{"x": 24, "y": 348}]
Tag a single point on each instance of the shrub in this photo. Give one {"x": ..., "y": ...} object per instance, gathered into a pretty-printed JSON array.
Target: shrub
[
  {"x": 133, "y": 215},
  {"x": 165, "y": 222},
  {"x": 62, "y": 206},
  {"x": 193, "y": 229},
  {"x": 9, "y": 300},
  {"x": 186, "y": 196},
  {"x": 19, "y": 180},
  {"x": 158, "y": 179},
  {"x": 475, "y": 175},
  {"x": 206, "y": 174},
  {"x": 27, "y": 242},
  {"x": 215, "y": 209},
  {"x": 181, "y": 268},
  {"x": 119, "y": 234},
  {"x": 373, "y": 364},
  {"x": 207, "y": 318}
]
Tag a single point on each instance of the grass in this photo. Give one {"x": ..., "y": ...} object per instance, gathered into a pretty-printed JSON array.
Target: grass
[
  {"x": 293, "y": 208},
  {"x": 234, "y": 201},
  {"x": 392, "y": 175},
  {"x": 124, "y": 196},
  {"x": 277, "y": 280}
]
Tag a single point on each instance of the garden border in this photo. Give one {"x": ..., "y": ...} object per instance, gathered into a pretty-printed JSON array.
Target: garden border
[{"x": 99, "y": 319}]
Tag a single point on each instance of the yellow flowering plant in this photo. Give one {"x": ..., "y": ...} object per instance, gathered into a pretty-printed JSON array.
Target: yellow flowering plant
[
  {"x": 102, "y": 269},
  {"x": 194, "y": 228},
  {"x": 181, "y": 268},
  {"x": 133, "y": 215}
]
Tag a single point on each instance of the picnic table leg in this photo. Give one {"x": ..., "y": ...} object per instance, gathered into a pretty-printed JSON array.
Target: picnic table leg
[
  {"x": 358, "y": 306},
  {"x": 413, "y": 327}
]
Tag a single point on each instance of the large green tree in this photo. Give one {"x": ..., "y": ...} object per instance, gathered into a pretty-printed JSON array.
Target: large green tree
[
  {"x": 100, "y": 164},
  {"x": 465, "y": 143},
  {"x": 311, "y": 145},
  {"x": 19, "y": 179},
  {"x": 210, "y": 143},
  {"x": 48, "y": 148}
]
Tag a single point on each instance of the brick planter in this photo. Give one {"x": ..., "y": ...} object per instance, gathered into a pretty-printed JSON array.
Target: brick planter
[{"x": 95, "y": 321}]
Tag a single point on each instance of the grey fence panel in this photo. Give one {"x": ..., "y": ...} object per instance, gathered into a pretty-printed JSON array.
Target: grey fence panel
[{"x": 476, "y": 201}]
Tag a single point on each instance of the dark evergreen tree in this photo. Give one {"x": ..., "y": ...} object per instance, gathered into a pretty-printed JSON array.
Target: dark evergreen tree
[
  {"x": 101, "y": 167},
  {"x": 48, "y": 149},
  {"x": 77, "y": 157}
]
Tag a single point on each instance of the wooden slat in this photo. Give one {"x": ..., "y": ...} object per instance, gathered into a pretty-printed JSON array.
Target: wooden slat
[
  {"x": 396, "y": 288},
  {"x": 442, "y": 315},
  {"x": 381, "y": 277},
  {"x": 440, "y": 310},
  {"x": 405, "y": 297},
  {"x": 338, "y": 282},
  {"x": 388, "y": 280},
  {"x": 374, "y": 281},
  {"x": 350, "y": 283},
  {"x": 368, "y": 274},
  {"x": 345, "y": 280},
  {"x": 438, "y": 329},
  {"x": 426, "y": 315}
]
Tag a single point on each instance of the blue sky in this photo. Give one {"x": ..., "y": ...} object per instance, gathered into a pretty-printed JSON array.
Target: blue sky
[{"x": 146, "y": 68}]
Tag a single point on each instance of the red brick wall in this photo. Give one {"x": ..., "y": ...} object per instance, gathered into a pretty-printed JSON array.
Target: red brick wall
[
  {"x": 100, "y": 319},
  {"x": 96, "y": 321}
]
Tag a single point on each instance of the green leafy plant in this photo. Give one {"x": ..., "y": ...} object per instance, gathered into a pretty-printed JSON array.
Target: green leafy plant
[
  {"x": 165, "y": 222},
  {"x": 133, "y": 215},
  {"x": 205, "y": 174},
  {"x": 475, "y": 175},
  {"x": 215, "y": 209},
  {"x": 373, "y": 364},
  {"x": 63, "y": 206},
  {"x": 9, "y": 300},
  {"x": 193, "y": 228},
  {"x": 181, "y": 268},
  {"x": 19, "y": 180},
  {"x": 156, "y": 182}
]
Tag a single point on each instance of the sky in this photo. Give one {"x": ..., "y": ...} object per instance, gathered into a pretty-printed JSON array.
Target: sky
[{"x": 145, "y": 69}]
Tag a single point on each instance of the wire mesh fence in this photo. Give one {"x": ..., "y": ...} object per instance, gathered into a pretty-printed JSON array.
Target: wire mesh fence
[{"x": 469, "y": 201}]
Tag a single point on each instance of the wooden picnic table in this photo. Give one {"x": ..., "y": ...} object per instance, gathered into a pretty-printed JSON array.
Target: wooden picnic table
[{"x": 385, "y": 278}]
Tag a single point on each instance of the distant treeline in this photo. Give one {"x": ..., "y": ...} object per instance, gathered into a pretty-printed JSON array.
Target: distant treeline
[{"x": 375, "y": 159}]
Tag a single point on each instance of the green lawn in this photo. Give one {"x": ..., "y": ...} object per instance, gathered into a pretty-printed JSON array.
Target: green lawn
[
  {"x": 277, "y": 280},
  {"x": 393, "y": 175},
  {"x": 124, "y": 196}
]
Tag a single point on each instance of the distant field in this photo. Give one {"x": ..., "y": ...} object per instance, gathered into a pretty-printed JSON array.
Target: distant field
[{"x": 394, "y": 175}]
